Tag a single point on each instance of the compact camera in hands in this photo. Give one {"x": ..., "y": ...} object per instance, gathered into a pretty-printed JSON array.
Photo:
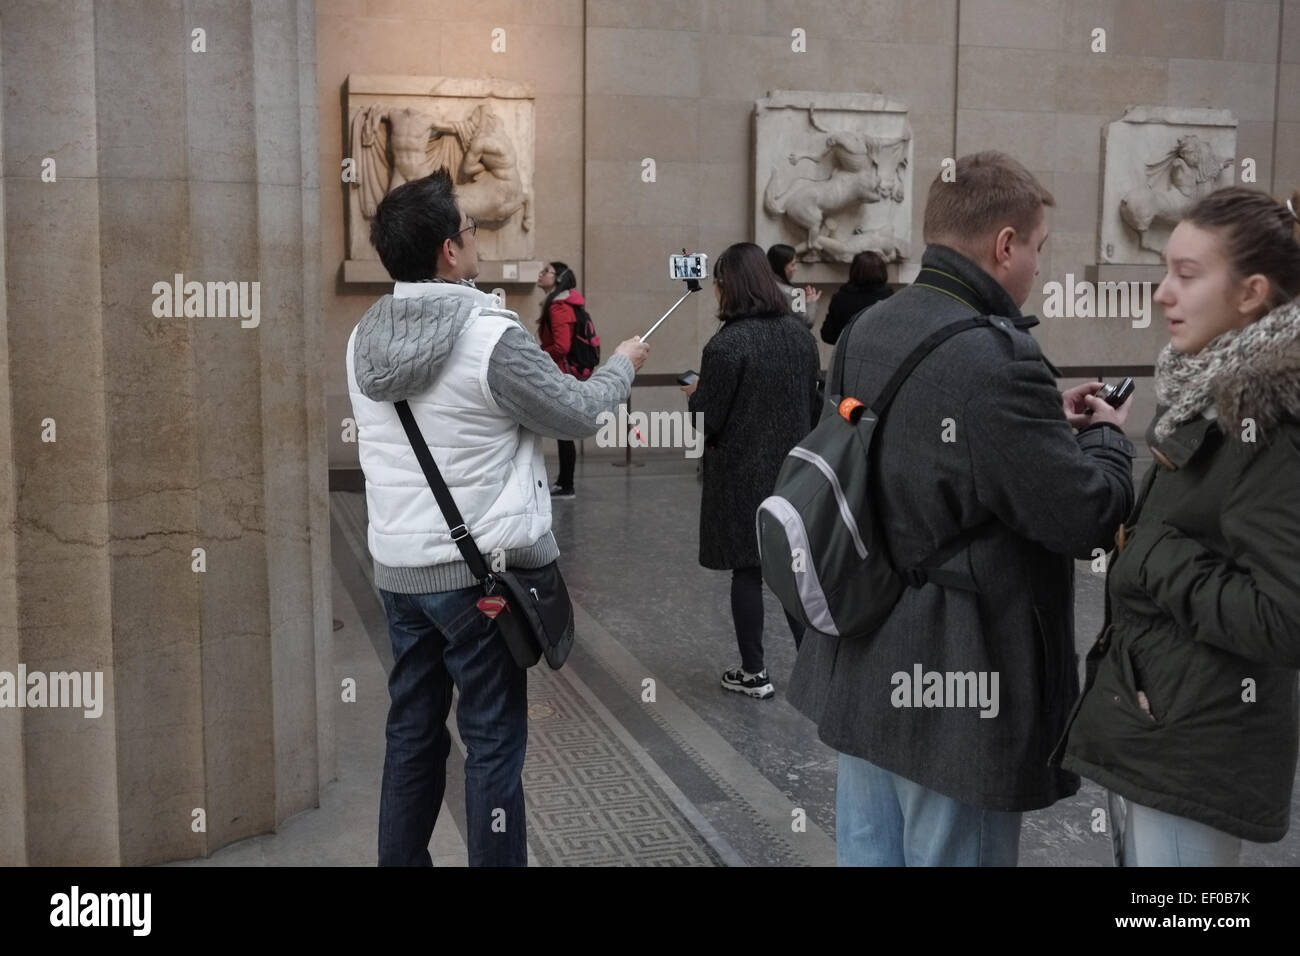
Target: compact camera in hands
[
  {"x": 1116, "y": 395},
  {"x": 692, "y": 266}
]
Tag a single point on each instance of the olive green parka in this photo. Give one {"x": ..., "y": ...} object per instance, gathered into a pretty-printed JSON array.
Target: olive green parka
[{"x": 1203, "y": 617}]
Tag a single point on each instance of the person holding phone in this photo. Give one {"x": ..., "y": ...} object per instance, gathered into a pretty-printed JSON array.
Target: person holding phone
[
  {"x": 757, "y": 391},
  {"x": 1190, "y": 716}
]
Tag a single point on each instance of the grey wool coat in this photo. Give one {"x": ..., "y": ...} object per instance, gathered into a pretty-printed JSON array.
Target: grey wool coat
[
  {"x": 1040, "y": 494},
  {"x": 758, "y": 396}
]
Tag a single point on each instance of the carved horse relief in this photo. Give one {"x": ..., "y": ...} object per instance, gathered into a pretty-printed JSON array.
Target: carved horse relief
[
  {"x": 1184, "y": 174},
  {"x": 860, "y": 169}
]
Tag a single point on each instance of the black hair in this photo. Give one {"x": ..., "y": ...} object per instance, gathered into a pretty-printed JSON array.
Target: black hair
[
  {"x": 412, "y": 223},
  {"x": 564, "y": 281},
  {"x": 747, "y": 288},
  {"x": 868, "y": 269},
  {"x": 779, "y": 256}
]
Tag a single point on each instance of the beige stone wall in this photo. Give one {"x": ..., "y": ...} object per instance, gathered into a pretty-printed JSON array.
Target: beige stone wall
[
  {"x": 13, "y": 836},
  {"x": 172, "y": 433},
  {"x": 55, "y": 368},
  {"x": 1286, "y": 153},
  {"x": 675, "y": 80},
  {"x": 1028, "y": 82}
]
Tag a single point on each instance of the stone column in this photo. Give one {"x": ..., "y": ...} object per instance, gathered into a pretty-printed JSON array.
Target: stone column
[{"x": 173, "y": 433}]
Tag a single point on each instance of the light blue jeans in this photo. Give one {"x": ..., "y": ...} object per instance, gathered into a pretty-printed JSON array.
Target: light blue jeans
[
  {"x": 1146, "y": 837},
  {"x": 882, "y": 819}
]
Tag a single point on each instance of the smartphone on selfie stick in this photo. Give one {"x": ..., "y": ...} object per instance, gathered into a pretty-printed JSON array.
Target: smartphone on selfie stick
[{"x": 690, "y": 268}]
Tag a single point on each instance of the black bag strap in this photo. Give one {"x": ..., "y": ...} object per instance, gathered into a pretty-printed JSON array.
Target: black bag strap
[
  {"x": 929, "y": 278},
  {"x": 929, "y": 570},
  {"x": 918, "y": 354},
  {"x": 450, "y": 513},
  {"x": 840, "y": 352}
]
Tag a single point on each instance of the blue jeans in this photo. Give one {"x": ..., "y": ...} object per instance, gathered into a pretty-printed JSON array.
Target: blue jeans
[
  {"x": 882, "y": 819},
  {"x": 1146, "y": 837},
  {"x": 441, "y": 639}
]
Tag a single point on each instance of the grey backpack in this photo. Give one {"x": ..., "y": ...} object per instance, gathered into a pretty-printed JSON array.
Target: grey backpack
[{"x": 820, "y": 541}]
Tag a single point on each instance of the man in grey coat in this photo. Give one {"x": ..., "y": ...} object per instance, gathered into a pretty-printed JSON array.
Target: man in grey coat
[{"x": 945, "y": 718}]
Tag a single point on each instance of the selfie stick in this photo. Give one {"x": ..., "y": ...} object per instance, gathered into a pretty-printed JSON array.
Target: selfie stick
[{"x": 691, "y": 286}]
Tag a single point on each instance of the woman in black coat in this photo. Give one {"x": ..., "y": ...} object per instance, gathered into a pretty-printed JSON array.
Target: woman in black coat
[
  {"x": 867, "y": 285},
  {"x": 757, "y": 391}
]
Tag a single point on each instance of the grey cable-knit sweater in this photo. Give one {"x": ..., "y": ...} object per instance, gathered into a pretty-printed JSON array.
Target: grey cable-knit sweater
[{"x": 400, "y": 348}]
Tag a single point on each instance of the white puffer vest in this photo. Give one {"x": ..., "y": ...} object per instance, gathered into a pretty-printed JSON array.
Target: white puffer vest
[{"x": 493, "y": 466}]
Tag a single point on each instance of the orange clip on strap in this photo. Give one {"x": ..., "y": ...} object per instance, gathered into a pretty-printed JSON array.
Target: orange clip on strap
[{"x": 850, "y": 409}]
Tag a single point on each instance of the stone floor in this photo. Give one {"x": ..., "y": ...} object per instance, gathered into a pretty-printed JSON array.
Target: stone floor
[{"x": 699, "y": 777}]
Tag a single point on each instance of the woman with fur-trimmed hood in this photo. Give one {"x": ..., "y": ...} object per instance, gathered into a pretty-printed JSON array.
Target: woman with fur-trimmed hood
[{"x": 1190, "y": 717}]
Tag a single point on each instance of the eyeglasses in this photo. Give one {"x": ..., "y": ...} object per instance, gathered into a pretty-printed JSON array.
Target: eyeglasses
[{"x": 472, "y": 229}]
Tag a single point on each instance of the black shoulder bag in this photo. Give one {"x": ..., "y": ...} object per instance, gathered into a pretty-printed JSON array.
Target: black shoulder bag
[{"x": 530, "y": 605}]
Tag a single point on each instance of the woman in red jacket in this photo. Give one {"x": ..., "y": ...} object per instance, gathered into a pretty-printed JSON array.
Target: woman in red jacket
[{"x": 555, "y": 330}]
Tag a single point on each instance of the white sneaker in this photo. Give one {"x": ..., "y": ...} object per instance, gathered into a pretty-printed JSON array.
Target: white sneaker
[{"x": 755, "y": 685}]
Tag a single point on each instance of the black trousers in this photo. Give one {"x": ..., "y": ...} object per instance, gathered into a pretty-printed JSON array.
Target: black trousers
[
  {"x": 747, "y": 611},
  {"x": 568, "y": 458}
]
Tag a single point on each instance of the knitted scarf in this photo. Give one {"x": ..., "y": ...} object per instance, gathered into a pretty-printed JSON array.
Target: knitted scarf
[{"x": 1251, "y": 372}]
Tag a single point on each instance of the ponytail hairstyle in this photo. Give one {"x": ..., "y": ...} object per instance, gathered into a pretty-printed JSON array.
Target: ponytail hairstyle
[
  {"x": 779, "y": 256},
  {"x": 1260, "y": 235},
  {"x": 564, "y": 281}
]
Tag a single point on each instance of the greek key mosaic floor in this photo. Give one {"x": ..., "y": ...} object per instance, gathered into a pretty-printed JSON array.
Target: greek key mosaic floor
[{"x": 589, "y": 800}]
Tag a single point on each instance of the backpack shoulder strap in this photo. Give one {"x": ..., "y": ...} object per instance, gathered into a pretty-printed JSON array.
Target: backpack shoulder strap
[
  {"x": 918, "y": 354},
  {"x": 939, "y": 281},
  {"x": 837, "y": 373},
  {"x": 929, "y": 570}
]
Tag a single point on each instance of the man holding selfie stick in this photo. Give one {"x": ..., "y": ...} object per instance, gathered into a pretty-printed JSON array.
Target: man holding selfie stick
[
  {"x": 472, "y": 375},
  {"x": 977, "y": 458}
]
